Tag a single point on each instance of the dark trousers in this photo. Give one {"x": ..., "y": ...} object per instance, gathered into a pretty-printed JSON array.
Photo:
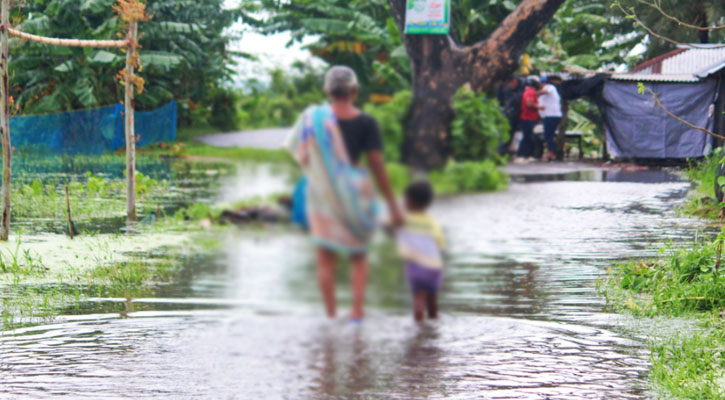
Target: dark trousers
[
  {"x": 505, "y": 145},
  {"x": 550, "y": 125},
  {"x": 526, "y": 147}
]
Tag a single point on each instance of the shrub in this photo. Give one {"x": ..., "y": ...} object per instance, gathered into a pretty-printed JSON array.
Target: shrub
[
  {"x": 478, "y": 128},
  {"x": 224, "y": 110},
  {"x": 391, "y": 117}
]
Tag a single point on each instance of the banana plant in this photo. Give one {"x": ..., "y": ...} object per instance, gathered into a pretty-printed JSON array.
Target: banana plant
[{"x": 183, "y": 54}]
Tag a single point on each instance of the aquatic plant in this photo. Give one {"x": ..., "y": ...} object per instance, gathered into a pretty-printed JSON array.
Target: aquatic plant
[
  {"x": 19, "y": 262},
  {"x": 94, "y": 197}
]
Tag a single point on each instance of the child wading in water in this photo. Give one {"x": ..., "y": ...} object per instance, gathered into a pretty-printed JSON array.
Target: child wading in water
[{"x": 420, "y": 244}]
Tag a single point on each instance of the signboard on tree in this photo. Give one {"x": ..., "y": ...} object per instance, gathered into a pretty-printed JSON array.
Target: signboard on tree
[{"x": 428, "y": 17}]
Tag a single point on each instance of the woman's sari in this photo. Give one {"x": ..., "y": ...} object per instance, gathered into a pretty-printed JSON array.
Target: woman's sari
[{"x": 341, "y": 205}]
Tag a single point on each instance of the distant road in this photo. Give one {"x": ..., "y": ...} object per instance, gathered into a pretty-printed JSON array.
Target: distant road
[{"x": 260, "y": 139}]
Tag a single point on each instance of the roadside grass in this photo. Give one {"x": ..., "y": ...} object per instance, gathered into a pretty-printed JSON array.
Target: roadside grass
[
  {"x": 702, "y": 202},
  {"x": 692, "y": 366},
  {"x": 682, "y": 282},
  {"x": 200, "y": 150},
  {"x": 188, "y": 133}
]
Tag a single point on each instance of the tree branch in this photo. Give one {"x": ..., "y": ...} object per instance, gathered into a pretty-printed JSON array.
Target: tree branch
[
  {"x": 657, "y": 100},
  {"x": 498, "y": 56},
  {"x": 486, "y": 62},
  {"x": 633, "y": 16},
  {"x": 657, "y": 6}
]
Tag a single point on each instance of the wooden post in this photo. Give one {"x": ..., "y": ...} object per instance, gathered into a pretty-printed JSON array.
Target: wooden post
[
  {"x": 130, "y": 129},
  {"x": 70, "y": 219},
  {"x": 5, "y": 121}
]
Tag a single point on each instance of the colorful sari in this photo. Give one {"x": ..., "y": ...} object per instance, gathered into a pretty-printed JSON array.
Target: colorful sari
[{"x": 340, "y": 199}]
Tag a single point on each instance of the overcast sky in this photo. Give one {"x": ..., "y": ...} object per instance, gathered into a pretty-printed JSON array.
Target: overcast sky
[{"x": 272, "y": 51}]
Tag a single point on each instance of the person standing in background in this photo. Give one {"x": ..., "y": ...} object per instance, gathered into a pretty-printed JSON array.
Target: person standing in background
[
  {"x": 529, "y": 117},
  {"x": 550, "y": 113},
  {"x": 509, "y": 96}
]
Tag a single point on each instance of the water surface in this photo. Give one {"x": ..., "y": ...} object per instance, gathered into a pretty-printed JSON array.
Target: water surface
[{"x": 521, "y": 316}]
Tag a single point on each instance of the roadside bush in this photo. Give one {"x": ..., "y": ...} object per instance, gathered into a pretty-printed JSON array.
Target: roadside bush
[
  {"x": 224, "y": 115},
  {"x": 391, "y": 117},
  {"x": 478, "y": 128},
  {"x": 468, "y": 176},
  {"x": 280, "y": 102}
]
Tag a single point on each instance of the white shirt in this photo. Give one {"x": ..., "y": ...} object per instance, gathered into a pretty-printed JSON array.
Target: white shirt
[{"x": 551, "y": 100}]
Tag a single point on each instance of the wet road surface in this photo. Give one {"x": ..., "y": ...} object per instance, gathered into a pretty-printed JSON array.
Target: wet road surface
[{"x": 521, "y": 316}]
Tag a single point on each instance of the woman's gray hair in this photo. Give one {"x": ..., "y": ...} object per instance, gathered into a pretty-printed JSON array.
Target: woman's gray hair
[{"x": 340, "y": 81}]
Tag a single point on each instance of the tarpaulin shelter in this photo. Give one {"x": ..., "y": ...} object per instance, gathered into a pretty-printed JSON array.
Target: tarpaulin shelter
[{"x": 689, "y": 83}]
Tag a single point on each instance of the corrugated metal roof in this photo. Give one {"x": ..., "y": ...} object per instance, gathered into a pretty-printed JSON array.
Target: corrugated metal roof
[
  {"x": 644, "y": 76},
  {"x": 690, "y": 65}
]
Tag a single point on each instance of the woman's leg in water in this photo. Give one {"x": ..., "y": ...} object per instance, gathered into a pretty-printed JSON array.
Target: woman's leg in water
[
  {"x": 326, "y": 261},
  {"x": 359, "y": 280},
  {"x": 432, "y": 305}
]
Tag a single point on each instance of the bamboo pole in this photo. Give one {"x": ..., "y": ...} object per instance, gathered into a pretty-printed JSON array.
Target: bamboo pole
[
  {"x": 67, "y": 206},
  {"x": 68, "y": 42},
  {"x": 5, "y": 121},
  {"x": 130, "y": 120}
]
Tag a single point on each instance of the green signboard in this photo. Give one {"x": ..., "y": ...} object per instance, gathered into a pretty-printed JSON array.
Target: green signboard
[{"x": 428, "y": 17}]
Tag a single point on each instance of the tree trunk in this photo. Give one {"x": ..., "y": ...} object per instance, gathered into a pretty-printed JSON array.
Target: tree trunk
[
  {"x": 5, "y": 122},
  {"x": 130, "y": 121},
  {"x": 440, "y": 67}
]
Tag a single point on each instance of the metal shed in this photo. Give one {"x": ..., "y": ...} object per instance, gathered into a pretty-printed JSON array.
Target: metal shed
[{"x": 689, "y": 82}]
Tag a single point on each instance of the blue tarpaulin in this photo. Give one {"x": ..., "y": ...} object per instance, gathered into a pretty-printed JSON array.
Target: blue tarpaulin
[{"x": 91, "y": 131}]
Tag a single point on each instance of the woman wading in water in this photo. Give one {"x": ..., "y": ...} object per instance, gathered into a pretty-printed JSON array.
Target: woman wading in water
[{"x": 328, "y": 143}]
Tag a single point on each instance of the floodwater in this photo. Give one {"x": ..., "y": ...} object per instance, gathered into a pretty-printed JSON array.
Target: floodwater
[{"x": 521, "y": 316}]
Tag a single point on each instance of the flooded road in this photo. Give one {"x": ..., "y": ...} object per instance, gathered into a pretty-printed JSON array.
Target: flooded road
[{"x": 521, "y": 316}]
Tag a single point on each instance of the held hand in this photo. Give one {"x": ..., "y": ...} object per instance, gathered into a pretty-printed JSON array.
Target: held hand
[{"x": 396, "y": 217}]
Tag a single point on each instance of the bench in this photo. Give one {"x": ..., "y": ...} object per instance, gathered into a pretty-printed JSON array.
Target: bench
[{"x": 577, "y": 136}]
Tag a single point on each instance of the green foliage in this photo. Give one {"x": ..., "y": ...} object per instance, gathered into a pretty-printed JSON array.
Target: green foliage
[
  {"x": 456, "y": 177},
  {"x": 391, "y": 117},
  {"x": 583, "y": 34},
  {"x": 281, "y": 101},
  {"x": 183, "y": 54},
  {"x": 686, "y": 280},
  {"x": 357, "y": 33},
  {"x": 96, "y": 196},
  {"x": 691, "y": 366},
  {"x": 223, "y": 113},
  {"x": 21, "y": 263},
  {"x": 469, "y": 176},
  {"x": 696, "y": 12},
  {"x": 702, "y": 202},
  {"x": 478, "y": 128}
]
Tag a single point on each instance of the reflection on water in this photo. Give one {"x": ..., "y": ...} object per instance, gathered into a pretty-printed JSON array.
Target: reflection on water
[{"x": 521, "y": 317}]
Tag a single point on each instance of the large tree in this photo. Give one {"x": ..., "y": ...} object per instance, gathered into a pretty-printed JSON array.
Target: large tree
[{"x": 441, "y": 67}]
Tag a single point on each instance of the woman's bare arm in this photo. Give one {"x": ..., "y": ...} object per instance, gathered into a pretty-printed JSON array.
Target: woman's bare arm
[{"x": 377, "y": 167}]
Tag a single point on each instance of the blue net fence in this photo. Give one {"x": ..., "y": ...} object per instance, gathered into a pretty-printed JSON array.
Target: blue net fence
[{"x": 91, "y": 131}]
